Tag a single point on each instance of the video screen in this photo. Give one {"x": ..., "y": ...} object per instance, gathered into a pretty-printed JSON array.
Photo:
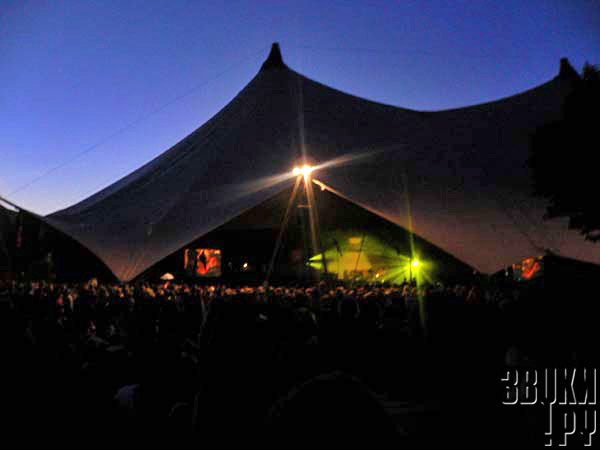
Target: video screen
[
  {"x": 528, "y": 269},
  {"x": 202, "y": 262}
]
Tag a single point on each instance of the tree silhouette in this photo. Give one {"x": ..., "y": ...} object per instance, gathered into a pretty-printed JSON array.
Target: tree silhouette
[{"x": 565, "y": 158}]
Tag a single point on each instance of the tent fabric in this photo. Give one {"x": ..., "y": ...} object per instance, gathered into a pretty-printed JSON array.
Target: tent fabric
[
  {"x": 457, "y": 176},
  {"x": 7, "y": 229}
]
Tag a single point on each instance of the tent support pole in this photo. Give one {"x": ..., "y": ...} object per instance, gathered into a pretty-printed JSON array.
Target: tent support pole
[
  {"x": 314, "y": 224},
  {"x": 286, "y": 219}
]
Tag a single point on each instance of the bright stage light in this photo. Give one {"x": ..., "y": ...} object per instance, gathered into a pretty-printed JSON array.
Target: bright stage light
[
  {"x": 415, "y": 263},
  {"x": 304, "y": 170}
]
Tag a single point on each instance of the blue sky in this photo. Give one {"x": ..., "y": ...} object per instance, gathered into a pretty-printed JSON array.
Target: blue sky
[{"x": 122, "y": 81}]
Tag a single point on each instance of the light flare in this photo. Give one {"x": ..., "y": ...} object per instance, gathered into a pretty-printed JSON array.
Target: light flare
[{"x": 305, "y": 170}]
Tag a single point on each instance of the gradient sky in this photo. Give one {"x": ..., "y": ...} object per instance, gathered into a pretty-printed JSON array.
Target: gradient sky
[{"x": 91, "y": 90}]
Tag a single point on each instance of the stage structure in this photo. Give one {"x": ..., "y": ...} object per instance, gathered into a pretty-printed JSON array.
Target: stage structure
[
  {"x": 454, "y": 181},
  {"x": 348, "y": 234}
]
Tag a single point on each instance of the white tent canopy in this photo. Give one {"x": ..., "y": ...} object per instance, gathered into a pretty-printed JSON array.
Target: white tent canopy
[{"x": 462, "y": 172}]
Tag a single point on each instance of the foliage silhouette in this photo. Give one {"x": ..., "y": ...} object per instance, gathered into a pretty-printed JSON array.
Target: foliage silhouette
[{"x": 564, "y": 157}]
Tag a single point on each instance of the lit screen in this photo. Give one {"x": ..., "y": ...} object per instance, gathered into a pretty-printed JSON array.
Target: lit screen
[
  {"x": 202, "y": 262},
  {"x": 528, "y": 269}
]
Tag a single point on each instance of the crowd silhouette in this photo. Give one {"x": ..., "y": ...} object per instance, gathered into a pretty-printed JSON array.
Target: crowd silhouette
[{"x": 268, "y": 364}]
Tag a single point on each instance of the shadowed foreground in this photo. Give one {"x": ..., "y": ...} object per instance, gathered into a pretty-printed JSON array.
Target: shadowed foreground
[{"x": 280, "y": 365}]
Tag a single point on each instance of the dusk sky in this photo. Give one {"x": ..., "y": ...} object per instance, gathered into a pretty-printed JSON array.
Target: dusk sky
[{"x": 91, "y": 90}]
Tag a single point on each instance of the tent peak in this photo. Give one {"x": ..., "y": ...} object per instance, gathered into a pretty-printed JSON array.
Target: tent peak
[
  {"x": 274, "y": 60},
  {"x": 566, "y": 71}
]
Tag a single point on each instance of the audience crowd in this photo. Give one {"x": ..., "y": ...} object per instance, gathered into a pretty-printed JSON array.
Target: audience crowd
[{"x": 268, "y": 364}]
